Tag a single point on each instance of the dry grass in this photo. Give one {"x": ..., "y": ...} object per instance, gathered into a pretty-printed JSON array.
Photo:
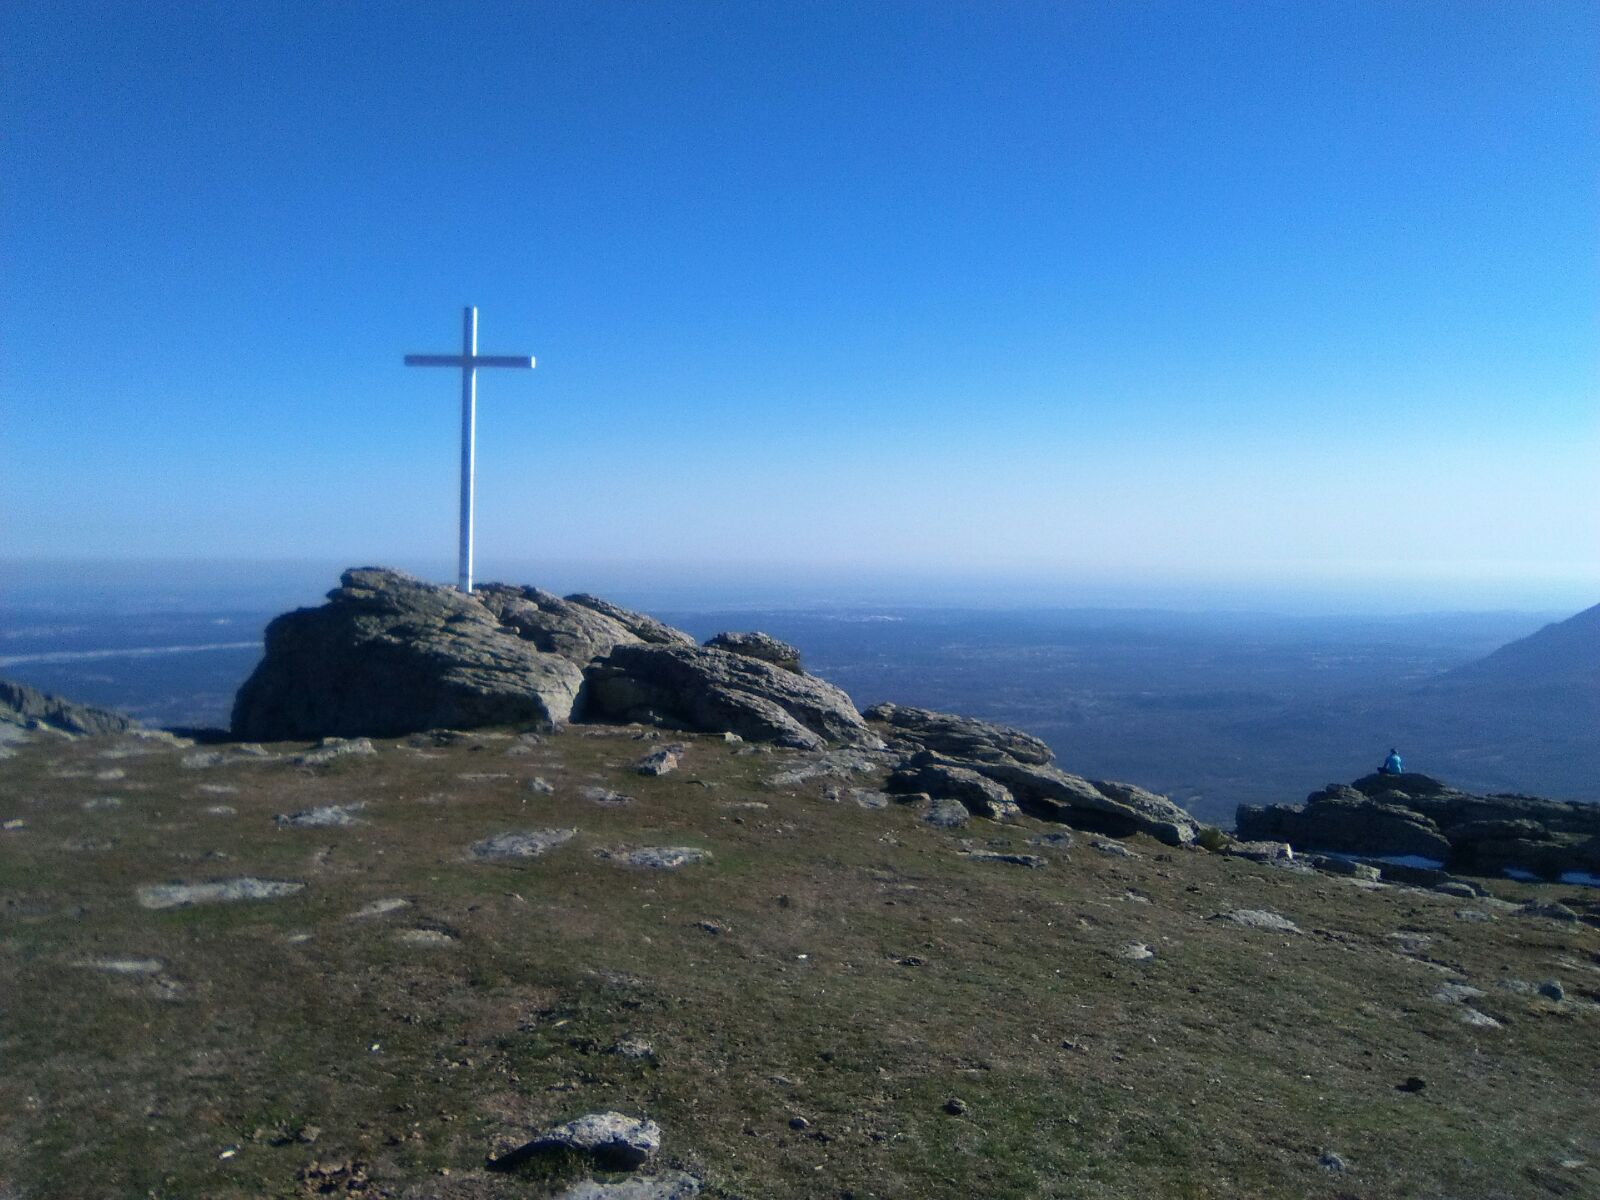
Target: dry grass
[{"x": 838, "y": 964}]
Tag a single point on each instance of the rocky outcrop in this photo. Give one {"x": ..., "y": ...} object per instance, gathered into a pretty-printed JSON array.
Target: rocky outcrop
[
  {"x": 28, "y": 707},
  {"x": 1384, "y": 816},
  {"x": 758, "y": 645},
  {"x": 912, "y": 729},
  {"x": 996, "y": 771},
  {"x": 694, "y": 688},
  {"x": 937, "y": 776},
  {"x": 390, "y": 655}
]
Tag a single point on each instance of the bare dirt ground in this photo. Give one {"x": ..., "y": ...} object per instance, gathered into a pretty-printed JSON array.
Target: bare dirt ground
[{"x": 831, "y": 1000}]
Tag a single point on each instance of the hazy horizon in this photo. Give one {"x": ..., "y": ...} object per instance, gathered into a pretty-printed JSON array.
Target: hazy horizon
[{"x": 179, "y": 583}]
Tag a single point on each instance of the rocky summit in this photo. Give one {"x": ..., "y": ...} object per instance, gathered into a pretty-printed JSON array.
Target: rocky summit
[{"x": 389, "y": 655}]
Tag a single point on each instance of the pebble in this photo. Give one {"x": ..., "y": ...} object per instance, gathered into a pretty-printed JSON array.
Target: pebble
[
  {"x": 1551, "y": 989},
  {"x": 955, "y": 1106},
  {"x": 1136, "y": 952}
]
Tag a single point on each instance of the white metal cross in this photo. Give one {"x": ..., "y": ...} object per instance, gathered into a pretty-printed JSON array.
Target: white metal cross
[{"x": 469, "y": 360}]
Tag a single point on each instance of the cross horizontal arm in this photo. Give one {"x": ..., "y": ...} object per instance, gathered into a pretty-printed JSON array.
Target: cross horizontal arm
[
  {"x": 502, "y": 360},
  {"x": 462, "y": 360}
]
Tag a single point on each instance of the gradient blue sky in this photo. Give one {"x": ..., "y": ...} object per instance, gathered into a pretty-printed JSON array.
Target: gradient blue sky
[{"x": 1253, "y": 293}]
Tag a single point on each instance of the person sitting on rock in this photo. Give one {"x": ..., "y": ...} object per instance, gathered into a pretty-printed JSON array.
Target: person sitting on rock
[{"x": 1392, "y": 764}]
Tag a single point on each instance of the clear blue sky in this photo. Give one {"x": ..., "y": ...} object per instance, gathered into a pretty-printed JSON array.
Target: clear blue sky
[{"x": 1256, "y": 292}]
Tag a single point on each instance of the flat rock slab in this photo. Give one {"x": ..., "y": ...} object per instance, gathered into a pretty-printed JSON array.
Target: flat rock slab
[
  {"x": 1258, "y": 918},
  {"x": 181, "y": 895},
  {"x": 124, "y": 966},
  {"x": 612, "y": 1140},
  {"x": 870, "y": 798},
  {"x": 379, "y": 908},
  {"x": 602, "y": 795},
  {"x": 529, "y": 844},
  {"x": 326, "y": 816},
  {"x": 999, "y": 856},
  {"x": 425, "y": 937},
  {"x": 674, "y": 1185},
  {"x": 659, "y": 858}
]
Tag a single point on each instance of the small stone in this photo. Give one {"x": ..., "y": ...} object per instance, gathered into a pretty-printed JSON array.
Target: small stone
[
  {"x": 541, "y": 786},
  {"x": 1456, "y": 993},
  {"x": 1473, "y": 915},
  {"x": 1471, "y": 1016},
  {"x": 221, "y": 810},
  {"x": 660, "y": 762},
  {"x": 1460, "y": 888},
  {"x": 1332, "y": 1163},
  {"x": 634, "y": 1048},
  {"x": 1136, "y": 952},
  {"x": 945, "y": 813},
  {"x": 14, "y": 824},
  {"x": 799, "y": 1123},
  {"x": 1551, "y": 989},
  {"x": 1412, "y": 1084},
  {"x": 955, "y": 1106},
  {"x": 329, "y": 749},
  {"x": 200, "y": 760},
  {"x": 102, "y": 803}
]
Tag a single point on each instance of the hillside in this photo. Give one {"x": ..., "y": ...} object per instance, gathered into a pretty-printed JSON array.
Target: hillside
[{"x": 371, "y": 994}]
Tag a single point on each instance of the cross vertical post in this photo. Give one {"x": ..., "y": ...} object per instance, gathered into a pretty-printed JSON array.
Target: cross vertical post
[
  {"x": 469, "y": 443},
  {"x": 469, "y": 360}
]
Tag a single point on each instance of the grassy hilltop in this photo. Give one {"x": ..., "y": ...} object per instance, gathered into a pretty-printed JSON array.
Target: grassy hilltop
[{"x": 841, "y": 1001}]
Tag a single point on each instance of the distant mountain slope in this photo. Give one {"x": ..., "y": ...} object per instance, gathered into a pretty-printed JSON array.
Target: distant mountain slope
[{"x": 1565, "y": 654}]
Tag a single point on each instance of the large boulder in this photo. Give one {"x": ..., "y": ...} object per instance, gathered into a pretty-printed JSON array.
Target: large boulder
[
  {"x": 28, "y": 707},
  {"x": 389, "y": 655},
  {"x": 1095, "y": 806},
  {"x": 912, "y": 729},
  {"x": 688, "y": 687}
]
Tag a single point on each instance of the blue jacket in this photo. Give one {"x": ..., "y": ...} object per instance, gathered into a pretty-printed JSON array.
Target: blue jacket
[{"x": 1392, "y": 764}]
